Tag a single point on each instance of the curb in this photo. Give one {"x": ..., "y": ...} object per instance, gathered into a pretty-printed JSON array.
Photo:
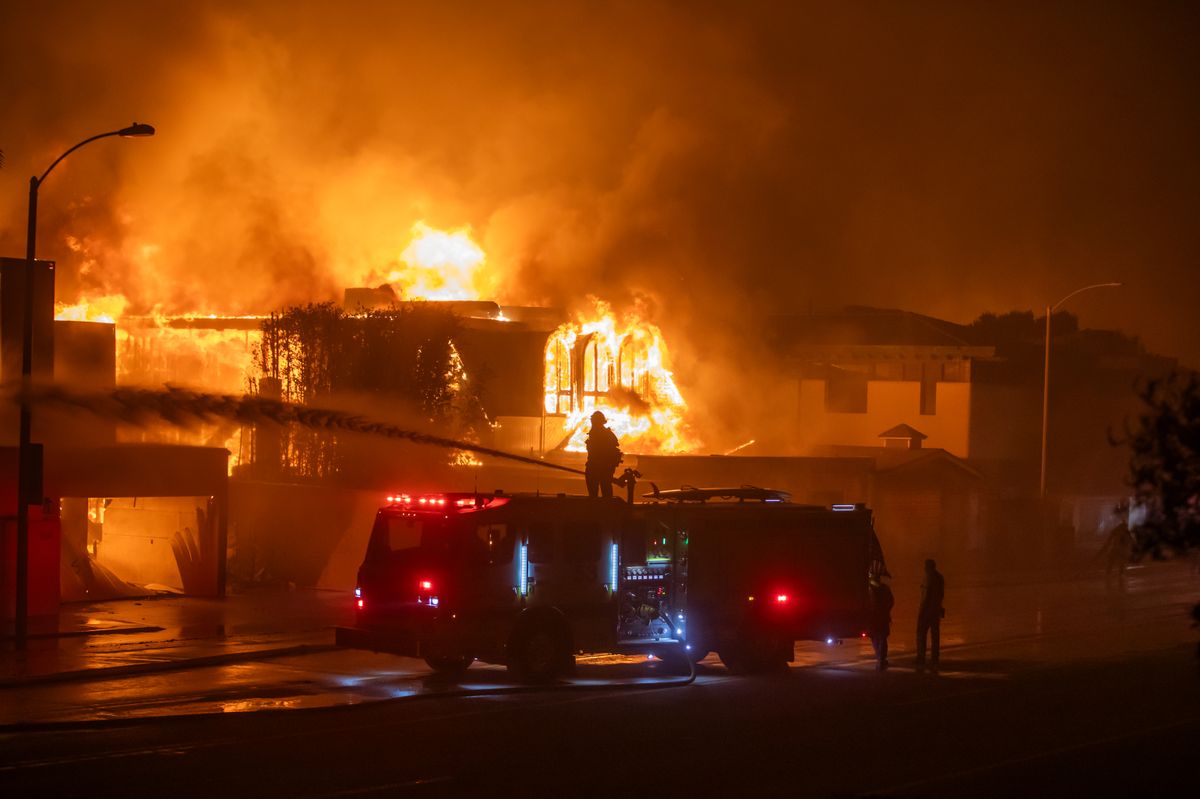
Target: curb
[
  {"x": 133, "y": 669},
  {"x": 86, "y": 633}
]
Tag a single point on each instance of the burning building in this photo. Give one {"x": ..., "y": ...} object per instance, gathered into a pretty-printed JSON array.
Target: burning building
[
  {"x": 619, "y": 366},
  {"x": 531, "y": 376},
  {"x": 540, "y": 372},
  {"x": 119, "y": 517}
]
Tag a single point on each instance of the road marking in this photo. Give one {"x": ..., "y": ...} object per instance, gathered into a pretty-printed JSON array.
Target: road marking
[
  {"x": 381, "y": 788},
  {"x": 166, "y": 749}
]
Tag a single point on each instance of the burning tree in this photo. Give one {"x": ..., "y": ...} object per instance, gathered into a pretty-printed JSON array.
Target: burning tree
[{"x": 401, "y": 359}]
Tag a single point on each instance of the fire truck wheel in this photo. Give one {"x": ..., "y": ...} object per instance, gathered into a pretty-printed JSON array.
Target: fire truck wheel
[
  {"x": 754, "y": 656},
  {"x": 699, "y": 644},
  {"x": 540, "y": 653},
  {"x": 449, "y": 666},
  {"x": 732, "y": 659}
]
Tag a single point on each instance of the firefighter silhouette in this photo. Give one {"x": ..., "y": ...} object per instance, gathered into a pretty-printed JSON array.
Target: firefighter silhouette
[
  {"x": 930, "y": 615},
  {"x": 1117, "y": 553},
  {"x": 604, "y": 455},
  {"x": 882, "y": 602}
]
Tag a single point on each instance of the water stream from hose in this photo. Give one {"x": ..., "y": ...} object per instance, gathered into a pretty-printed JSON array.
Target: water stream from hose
[{"x": 183, "y": 407}]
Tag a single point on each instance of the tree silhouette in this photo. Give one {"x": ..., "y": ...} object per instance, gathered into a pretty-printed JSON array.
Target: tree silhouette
[
  {"x": 1164, "y": 469},
  {"x": 1164, "y": 466},
  {"x": 403, "y": 357}
]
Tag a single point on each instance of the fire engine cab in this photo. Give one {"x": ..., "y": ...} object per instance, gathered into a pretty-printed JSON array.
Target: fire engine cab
[{"x": 529, "y": 581}]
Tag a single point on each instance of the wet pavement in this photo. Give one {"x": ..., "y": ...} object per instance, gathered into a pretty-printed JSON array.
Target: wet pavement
[
  {"x": 133, "y": 659},
  {"x": 320, "y": 680},
  {"x": 127, "y": 636}
]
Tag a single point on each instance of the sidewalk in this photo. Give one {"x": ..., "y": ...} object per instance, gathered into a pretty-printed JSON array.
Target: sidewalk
[{"x": 131, "y": 636}]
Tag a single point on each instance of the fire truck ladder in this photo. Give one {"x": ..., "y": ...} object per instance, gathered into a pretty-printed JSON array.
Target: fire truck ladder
[{"x": 741, "y": 494}]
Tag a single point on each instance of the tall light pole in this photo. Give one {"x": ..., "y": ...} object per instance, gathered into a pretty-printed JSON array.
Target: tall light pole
[
  {"x": 25, "y": 477},
  {"x": 1050, "y": 309}
]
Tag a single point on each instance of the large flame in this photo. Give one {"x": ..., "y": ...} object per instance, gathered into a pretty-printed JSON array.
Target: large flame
[
  {"x": 619, "y": 367},
  {"x": 151, "y": 352},
  {"x": 154, "y": 351},
  {"x": 108, "y": 308},
  {"x": 598, "y": 362},
  {"x": 440, "y": 265}
]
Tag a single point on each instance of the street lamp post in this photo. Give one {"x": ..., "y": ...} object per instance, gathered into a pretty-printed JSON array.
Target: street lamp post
[
  {"x": 24, "y": 450},
  {"x": 1050, "y": 309}
]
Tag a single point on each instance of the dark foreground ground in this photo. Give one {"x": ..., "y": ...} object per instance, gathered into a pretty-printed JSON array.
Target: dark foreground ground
[{"x": 1047, "y": 688}]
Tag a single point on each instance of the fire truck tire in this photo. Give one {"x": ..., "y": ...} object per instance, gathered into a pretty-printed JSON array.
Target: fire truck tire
[
  {"x": 754, "y": 656},
  {"x": 539, "y": 653},
  {"x": 699, "y": 644},
  {"x": 732, "y": 659},
  {"x": 449, "y": 666}
]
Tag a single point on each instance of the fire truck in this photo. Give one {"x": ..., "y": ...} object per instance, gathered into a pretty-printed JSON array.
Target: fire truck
[{"x": 529, "y": 581}]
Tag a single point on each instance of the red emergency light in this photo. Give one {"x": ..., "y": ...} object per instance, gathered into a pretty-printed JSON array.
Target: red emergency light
[
  {"x": 443, "y": 501},
  {"x": 434, "y": 501},
  {"x": 782, "y": 599},
  {"x": 425, "y": 594}
]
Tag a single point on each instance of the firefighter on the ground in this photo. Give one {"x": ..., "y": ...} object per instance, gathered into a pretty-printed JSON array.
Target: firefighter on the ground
[
  {"x": 930, "y": 615},
  {"x": 1118, "y": 549},
  {"x": 882, "y": 602},
  {"x": 604, "y": 455}
]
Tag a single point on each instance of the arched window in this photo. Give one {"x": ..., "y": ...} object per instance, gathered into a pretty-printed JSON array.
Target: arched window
[
  {"x": 558, "y": 376},
  {"x": 628, "y": 366},
  {"x": 633, "y": 363},
  {"x": 597, "y": 371}
]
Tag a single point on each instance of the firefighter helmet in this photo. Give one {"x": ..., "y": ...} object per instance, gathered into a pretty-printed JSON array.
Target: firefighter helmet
[{"x": 599, "y": 417}]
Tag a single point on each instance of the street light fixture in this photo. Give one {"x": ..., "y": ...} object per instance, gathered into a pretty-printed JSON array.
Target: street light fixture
[
  {"x": 1050, "y": 309},
  {"x": 25, "y": 482}
]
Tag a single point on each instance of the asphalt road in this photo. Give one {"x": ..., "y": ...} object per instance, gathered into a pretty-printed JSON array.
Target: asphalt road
[{"x": 1047, "y": 688}]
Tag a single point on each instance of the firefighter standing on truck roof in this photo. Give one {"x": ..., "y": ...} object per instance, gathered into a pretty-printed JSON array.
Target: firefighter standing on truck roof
[{"x": 604, "y": 454}]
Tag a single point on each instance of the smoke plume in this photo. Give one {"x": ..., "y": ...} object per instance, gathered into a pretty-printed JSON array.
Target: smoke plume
[{"x": 722, "y": 161}]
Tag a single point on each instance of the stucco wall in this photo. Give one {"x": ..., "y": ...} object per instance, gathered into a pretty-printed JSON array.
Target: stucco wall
[{"x": 889, "y": 403}]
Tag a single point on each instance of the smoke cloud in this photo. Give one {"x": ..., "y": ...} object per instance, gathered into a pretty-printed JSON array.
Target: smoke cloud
[{"x": 720, "y": 162}]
